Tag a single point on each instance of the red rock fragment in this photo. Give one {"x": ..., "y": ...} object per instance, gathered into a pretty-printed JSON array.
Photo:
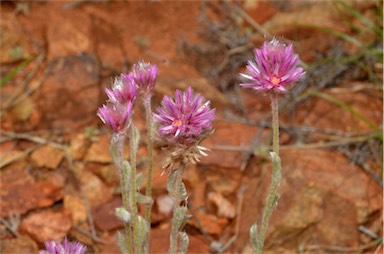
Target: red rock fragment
[
  {"x": 224, "y": 206},
  {"x": 22, "y": 244},
  {"x": 104, "y": 215},
  {"x": 47, "y": 225},
  {"x": 47, "y": 156},
  {"x": 20, "y": 193}
]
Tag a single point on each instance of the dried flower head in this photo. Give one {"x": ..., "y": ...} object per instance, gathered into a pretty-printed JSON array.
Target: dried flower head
[
  {"x": 275, "y": 68},
  {"x": 116, "y": 115},
  {"x": 63, "y": 248},
  {"x": 184, "y": 118},
  {"x": 145, "y": 75},
  {"x": 123, "y": 89}
]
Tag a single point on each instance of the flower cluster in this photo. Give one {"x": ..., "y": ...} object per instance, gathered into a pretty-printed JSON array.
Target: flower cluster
[
  {"x": 117, "y": 112},
  {"x": 145, "y": 75},
  {"x": 275, "y": 68},
  {"x": 184, "y": 119},
  {"x": 66, "y": 247}
]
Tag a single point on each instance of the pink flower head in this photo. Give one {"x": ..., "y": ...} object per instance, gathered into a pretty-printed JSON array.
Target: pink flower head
[
  {"x": 145, "y": 76},
  {"x": 123, "y": 89},
  {"x": 116, "y": 115},
  {"x": 275, "y": 68},
  {"x": 63, "y": 248},
  {"x": 185, "y": 118}
]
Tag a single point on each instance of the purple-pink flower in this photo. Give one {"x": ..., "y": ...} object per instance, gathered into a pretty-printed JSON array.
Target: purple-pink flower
[
  {"x": 116, "y": 115},
  {"x": 145, "y": 76},
  {"x": 63, "y": 248},
  {"x": 275, "y": 68},
  {"x": 123, "y": 89},
  {"x": 184, "y": 118}
]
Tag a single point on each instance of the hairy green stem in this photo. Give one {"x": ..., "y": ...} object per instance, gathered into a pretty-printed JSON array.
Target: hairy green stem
[
  {"x": 176, "y": 196},
  {"x": 117, "y": 145},
  {"x": 276, "y": 176},
  {"x": 132, "y": 185},
  {"x": 148, "y": 190}
]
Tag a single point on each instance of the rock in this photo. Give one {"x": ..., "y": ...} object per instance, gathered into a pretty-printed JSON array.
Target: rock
[
  {"x": 79, "y": 236},
  {"x": 104, "y": 215},
  {"x": 47, "y": 225},
  {"x": 23, "y": 110},
  {"x": 224, "y": 207},
  {"x": 321, "y": 14},
  {"x": 99, "y": 150},
  {"x": 14, "y": 39},
  {"x": 109, "y": 174},
  {"x": 68, "y": 97},
  {"x": 333, "y": 230},
  {"x": 231, "y": 134},
  {"x": 95, "y": 190},
  {"x": 77, "y": 207},
  {"x": 338, "y": 118},
  {"x": 20, "y": 193},
  {"x": 199, "y": 195},
  {"x": 209, "y": 223},
  {"x": 47, "y": 156},
  {"x": 78, "y": 147},
  {"x": 74, "y": 34},
  {"x": 323, "y": 201},
  {"x": 22, "y": 244}
]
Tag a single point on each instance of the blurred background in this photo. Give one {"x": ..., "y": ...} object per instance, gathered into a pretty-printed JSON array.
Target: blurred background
[{"x": 57, "y": 177}]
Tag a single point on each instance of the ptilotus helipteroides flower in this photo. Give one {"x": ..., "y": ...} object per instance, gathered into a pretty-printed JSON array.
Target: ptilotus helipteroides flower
[
  {"x": 145, "y": 75},
  {"x": 117, "y": 116},
  {"x": 275, "y": 68},
  {"x": 123, "y": 89},
  {"x": 63, "y": 248},
  {"x": 185, "y": 118}
]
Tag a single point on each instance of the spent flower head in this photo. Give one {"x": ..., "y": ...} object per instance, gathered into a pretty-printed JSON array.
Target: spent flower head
[
  {"x": 184, "y": 118},
  {"x": 123, "y": 89},
  {"x": 66, "y": 247},
  {"x": 275, "y": 68},
  {"x": 117, "y": 116},
  {"x": 145, "y": 75}
]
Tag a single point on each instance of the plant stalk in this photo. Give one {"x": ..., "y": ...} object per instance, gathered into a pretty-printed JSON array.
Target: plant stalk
[
  {"x": 117, "y": 150},
  {"x": 148, "y": 190},
  {"x": 132, "y": 185},
  {"x": 176, "y": 196},
  {"x": 276, "y": 175}
]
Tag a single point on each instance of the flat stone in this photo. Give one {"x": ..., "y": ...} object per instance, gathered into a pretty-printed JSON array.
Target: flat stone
[
  {"x": 68, "y": 96},
  {"x": 104, "y": 215},
  {"x": 78, "y": 147},
  {"x": 20, "y": 193},
  {"x": 224, "y": 207},
  {"x": 77, "y": 207},
  {"x": 47, "y": 225},
  {"x": 47, "y": 156},
  {"x": 22, "y": 244},
  {"x": 95, "y": 190}
]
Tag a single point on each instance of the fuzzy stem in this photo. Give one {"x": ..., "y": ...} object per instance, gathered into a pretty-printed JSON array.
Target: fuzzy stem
[
  {"x": 176, "y": 196},
  {"x": 133, "y": 204},
  {"x": 276, "y": 176},
  {"x": 148, "y": 190},
  {"x": 275, "y": 122},
  {"x": 117, "y": 150}
]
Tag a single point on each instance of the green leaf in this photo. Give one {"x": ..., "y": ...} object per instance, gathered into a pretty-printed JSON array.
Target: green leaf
[
  {"x": 14, "y": 72},
  {"x": 142, "y": 199}
]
